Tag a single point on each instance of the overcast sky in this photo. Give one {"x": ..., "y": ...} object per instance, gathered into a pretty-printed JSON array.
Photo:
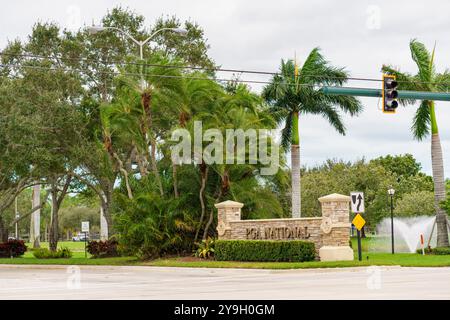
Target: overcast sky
[{"x": 255, "y": 35}]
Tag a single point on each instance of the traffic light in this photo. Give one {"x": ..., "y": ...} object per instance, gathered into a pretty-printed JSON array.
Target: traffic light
[{"x": 389, "y": 94}]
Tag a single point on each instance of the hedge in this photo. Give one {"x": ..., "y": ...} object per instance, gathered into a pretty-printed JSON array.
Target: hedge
[
  {"x": 264, "y": 250},
  {"x": 436, "y": 251}
]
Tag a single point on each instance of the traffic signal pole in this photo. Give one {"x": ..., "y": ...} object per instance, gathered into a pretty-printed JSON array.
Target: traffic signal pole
[{"x": 364, "y": 92}]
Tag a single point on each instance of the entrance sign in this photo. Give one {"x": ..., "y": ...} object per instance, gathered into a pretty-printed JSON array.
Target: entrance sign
[
  {"x": 357, "y": 202},
  {"x": 329, "y": 232}
]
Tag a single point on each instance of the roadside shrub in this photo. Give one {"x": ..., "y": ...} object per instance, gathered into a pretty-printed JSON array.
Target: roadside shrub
[
  {"x": 205, "y": 249},
  {"x": 12, "y": 248},
  {"x": 264, "y": 250},
  {"x": 44, "y": 253},
  {"x": 150, "y": 227},
  {"x": 103, "y": 249},
  {"x": 439, "y": 251}
]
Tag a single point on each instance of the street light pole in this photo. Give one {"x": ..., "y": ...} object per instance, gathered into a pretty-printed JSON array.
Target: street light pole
[
  {"x": 141, "y": 44},
  {"x": 391, "y": 192}
]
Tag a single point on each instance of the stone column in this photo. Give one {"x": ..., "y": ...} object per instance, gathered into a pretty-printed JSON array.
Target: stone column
[
  {"x": 227, "y": 211},
  {"x": 335, "y": 228}
]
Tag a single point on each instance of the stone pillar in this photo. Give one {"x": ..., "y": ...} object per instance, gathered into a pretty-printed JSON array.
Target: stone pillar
[
  {"x": 335, "y": 228},
  {"x": 227, "y": 211}
]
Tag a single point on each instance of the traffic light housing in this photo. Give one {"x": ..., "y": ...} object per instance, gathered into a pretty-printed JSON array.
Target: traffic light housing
[{"x": 389, "y": 93}]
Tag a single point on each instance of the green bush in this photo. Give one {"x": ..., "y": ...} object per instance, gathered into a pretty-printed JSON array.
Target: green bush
[
  {"x": 151, "y": 227},
  {"x": 264, "y": 250},
  {"x": 44, "y": 253},
  {"x": 437, "y": 251},
  {"x": 441, "y": 251},
  {"x": 205, "y": 249}
]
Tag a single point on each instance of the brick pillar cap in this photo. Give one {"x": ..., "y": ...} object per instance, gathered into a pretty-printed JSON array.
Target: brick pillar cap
[
  {"x": 335, "y": 197},
  {"x": 229, "y": 204}
]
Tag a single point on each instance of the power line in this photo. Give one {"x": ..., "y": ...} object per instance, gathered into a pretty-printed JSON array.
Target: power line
[
  {"x": 184, "y": 67},
  {"x": 143, "y": 64},
  {"x": 158, "y": 75}
]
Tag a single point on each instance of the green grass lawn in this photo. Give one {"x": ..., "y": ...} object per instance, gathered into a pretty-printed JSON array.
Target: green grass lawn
[
  {"x": 381, "y": 259},
  {"x": 369, "y": 258}
]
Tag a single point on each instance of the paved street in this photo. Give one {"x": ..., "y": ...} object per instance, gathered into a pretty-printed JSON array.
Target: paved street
[{"x": 100, "y": 282}]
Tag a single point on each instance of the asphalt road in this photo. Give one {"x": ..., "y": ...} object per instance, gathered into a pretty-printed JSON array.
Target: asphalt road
[{"x": 100, "y": 282}]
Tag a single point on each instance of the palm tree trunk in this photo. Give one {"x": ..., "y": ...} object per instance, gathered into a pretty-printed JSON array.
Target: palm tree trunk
[
  {"x": 175, "y": 180},
  {"x": 53, "y": 237},
  {"x": 439, "y": 190},
  {"x": 125, "y": 175},
  {"x": 295, "y": 172},
  {"x": 146, "y": 98},
  {"x": 204, "y": 177},
  {"x": 155, "y": 168}
]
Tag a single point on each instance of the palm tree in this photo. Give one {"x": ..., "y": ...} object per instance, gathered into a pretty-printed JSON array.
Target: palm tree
[
  {"x": 291, "y": 93},
  {"x": 427, "y": 79},
  {"x": 157, "y": 85},
  {"x": 198, "y": 95}
]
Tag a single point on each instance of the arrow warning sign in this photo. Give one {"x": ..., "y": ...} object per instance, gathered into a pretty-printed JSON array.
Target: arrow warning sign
[{"x": 357, "y": 202}]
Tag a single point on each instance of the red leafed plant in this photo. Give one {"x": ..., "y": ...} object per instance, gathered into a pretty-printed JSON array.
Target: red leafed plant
[
  {"x": 12, "y": 248},
  {"x": 103, "y": 249}
]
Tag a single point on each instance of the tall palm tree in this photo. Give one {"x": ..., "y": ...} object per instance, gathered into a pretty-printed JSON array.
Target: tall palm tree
[
  {"x": 292, "y": 93},
  {"x": 427, "y": 79},
  {"x": 157, "y": 85},
  {"x": 198, "y": 95}
]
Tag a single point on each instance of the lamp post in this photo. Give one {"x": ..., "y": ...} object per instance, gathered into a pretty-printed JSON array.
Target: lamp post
[
  {"x": 391, "y": 192},
  {"x": 141, "y": 44},
  {"x": 17, "y": 219}
]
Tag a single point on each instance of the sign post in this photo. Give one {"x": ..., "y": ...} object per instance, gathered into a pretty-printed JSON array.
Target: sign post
[
  {"x": 85, "y": 229},
  {"x": 357, "y": 204}
]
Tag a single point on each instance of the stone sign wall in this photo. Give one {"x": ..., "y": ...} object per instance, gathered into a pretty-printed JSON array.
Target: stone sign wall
[{"x": 330, "y": 233}]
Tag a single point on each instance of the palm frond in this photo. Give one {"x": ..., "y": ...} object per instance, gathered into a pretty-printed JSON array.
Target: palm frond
[
  {"x": 329, "y": 112},
  {"x": 422, "y": 58},
  {"x": 317, "y": 70},
  {"x": 422, "y": 121},
  {"x": 286, "y": 133},
  {"x": 442, "y": 81}
]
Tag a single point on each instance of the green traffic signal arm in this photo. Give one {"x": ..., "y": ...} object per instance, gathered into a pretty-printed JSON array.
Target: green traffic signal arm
[{"x": 365, "y": 92}]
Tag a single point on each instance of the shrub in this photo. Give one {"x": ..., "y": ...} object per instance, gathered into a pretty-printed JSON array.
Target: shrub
[
  {"x": 44, "y": 253},
  {"x": 441, "y": 251},
  {"x": 205, "y": 249},
  {"x": 103, "y": 249},
  {"x": 264, "y": 250},
  {"x": 150, "y": 227},
  {"x": 437, "y": 251},
  {"x": 12, "y": 248}
]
